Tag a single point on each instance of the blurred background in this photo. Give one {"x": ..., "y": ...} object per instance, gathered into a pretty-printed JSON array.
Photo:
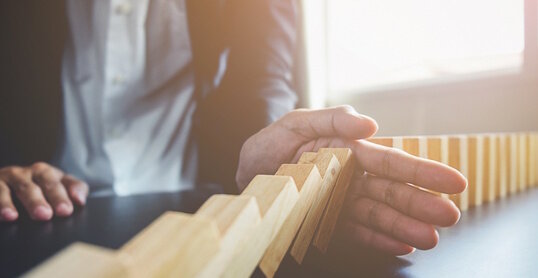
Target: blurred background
[{"x": 424, "y": 66}]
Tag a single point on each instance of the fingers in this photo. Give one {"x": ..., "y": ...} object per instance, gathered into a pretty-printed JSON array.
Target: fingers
[
  {"x": 382, "y": 218},
  {"x": 409, "y": 200},
  {"x": 29, "y": 193},
  {"x": 8, "y": 212},
  {"x": 376, "y": 240},
  {"x": 77, "y": 190},
  {"x": 340, "y": 121},
  {"x": 49, "y": 179},
  {"x": 398, "y": 165}
]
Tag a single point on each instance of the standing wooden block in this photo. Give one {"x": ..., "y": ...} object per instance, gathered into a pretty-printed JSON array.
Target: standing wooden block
[
  {"x": 411, "y": 145},
  {"x": 533, "y": 155},
  {"x": 81, "y": 260},
  {"x": 514, "y": 161},
  {"x": 175, "y": 245},
  {"x": 489, "y": 163},
  {"x": 504, "y": 163},
  {"x": 458, "y": 159},
  {"x": 329, "y": 168},
  {"x": 475, "y": 169},
  {"x": 522, "y": 165},
  {"x": 276, "y": 197},
  {"x": 336, "y": 201},
  {"x": 397, "y": 142},
  {"x": 437, "y": 150},
  {"x": 308, "y": 182},
  {"x": 236, "y": 218}
]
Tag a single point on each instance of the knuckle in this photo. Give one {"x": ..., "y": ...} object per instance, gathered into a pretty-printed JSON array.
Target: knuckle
[{"x": 40, "y": 167}]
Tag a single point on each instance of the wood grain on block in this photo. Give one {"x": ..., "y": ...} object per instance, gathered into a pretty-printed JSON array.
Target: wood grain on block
[
  {"x": 276, "y": 197},
  {"x": 504, "y": 162},
  {"x": 329, "y": 168},
  {"x": 332, "y": 211},
  {"x": 410, "y": 145},
  {"x": 175, "y": 245},
  {"x": 513, "y": 154},
  {"x": 522, "y": 147},
  {"x": 81, "y": 260},
  {"x": 308, "y": 181},
  {"x": 384, "y": 141},
  {"x": 236, "y": 218}
]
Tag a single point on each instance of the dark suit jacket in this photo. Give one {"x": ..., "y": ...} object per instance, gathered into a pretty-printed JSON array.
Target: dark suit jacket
[{"x": 255, "y": 37}]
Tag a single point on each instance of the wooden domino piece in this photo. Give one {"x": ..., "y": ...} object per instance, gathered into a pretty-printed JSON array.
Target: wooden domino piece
[
  {"x": 533, "y": 159},
  {"x": 504, "y": 169},
  {"x": 458, "y": 159},
  {"x": 329, "y": 168},
  {"x": 522, "y": 165},
  {"x": 336, "y": 201},
  {"x": 490, "y": 169},
  {"x": 174, "y": 245},
  {"x": 276, "y": 197},
  {"x": 475, "y": 169},
  {"x": 512, "y": 143},
  {"x": 236, "y": 218},
  {"x": 308, "y": 181},
  {"x": 411, "y": 145},
  {"x": 81, "y": 260},
  {"x": 384, "y": 141}
]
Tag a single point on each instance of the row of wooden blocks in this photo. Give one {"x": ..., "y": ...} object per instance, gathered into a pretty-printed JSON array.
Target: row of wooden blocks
[
  {"x": 230, "y": 235},
  {"x": 495, "y": 165}
]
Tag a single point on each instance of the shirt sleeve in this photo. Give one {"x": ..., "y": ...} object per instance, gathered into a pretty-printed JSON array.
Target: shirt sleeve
[{"x": 256, "y": 86}]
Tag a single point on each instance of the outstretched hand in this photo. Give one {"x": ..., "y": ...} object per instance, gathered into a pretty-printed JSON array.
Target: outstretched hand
[{"x": 381, "y": 210}]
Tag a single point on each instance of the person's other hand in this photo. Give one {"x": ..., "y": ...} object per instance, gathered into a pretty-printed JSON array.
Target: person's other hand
[
  {"x": 381, "y": 210},
  {"x": 42, "y": 189}
]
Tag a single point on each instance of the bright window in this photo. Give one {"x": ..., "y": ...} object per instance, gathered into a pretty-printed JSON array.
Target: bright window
[{"x": 383, "y": 42}]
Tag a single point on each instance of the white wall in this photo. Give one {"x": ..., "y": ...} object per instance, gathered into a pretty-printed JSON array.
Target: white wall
[{"x": 491, "y": 103}]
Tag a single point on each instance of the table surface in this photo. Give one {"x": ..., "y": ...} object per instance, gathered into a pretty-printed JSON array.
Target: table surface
[{"x": 494, "y": 240}]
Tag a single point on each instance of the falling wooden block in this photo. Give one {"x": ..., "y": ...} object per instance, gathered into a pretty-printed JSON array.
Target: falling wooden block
[
  {"x": 329, "y": 168},
  {"x": 276, "y": 197},
  {"x": 308, "y": 181},
  {"x": 336, "y": 201},
  {"x": 81, "y": 260},
  {"x": 174, "y": 245},
  {"x": 236, "y": 218}
]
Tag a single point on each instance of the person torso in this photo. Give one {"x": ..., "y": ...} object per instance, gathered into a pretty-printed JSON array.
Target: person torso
[{"x": 128, "y": 85}]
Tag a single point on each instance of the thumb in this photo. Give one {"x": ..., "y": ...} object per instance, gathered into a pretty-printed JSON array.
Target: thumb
[{"x": 340, "y": 121}]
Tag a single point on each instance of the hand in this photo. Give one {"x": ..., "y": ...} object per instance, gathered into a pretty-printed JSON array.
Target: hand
[
  {"x": 39, "y": 187},
  {"x": 380, "y": 211}
]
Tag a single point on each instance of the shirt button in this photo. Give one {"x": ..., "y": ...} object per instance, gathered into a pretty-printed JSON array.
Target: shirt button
[
  {"x": 118, "y": 79},
  {"x": 124, "y": 8}
]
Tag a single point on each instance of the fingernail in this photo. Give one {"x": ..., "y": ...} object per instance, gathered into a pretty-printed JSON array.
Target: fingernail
[
  {"x": 9, "y": 214},
  {"x": 81, "y": 197},
  {"x": 64, "y": 209},
  {"x": 42, "y": 213}
]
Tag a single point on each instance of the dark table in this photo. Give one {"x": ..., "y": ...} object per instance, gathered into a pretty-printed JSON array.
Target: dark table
[{"x": 495, "y": 240}]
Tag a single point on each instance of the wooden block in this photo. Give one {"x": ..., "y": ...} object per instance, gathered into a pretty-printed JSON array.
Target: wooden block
[
  {"x": 276, "y": 197},
  {"x": 384, "y": 141},
  {"x": 475, "y": 169},
  {"x": 336, "y": 201},
  {"x": 410, "y": 145},
  {"x": 308, "y": 181},
  {"x": 433, "y": 147},
  {"x": 329, "y": 168},
  {"x": 533, "y": 154},
  {"x": 236, "y": 218},
  {"x": 504, "y": 162},
  {"x": 174, "y": 245},
  {"x": 458, "y": 159},
  {"x": 522, "y": 165},
  {"x": 513, "y": 154},
  {"x": 81, "y": 260},
  {"x": 423, "y": 146},
  {"x": 488, "y": 189}
]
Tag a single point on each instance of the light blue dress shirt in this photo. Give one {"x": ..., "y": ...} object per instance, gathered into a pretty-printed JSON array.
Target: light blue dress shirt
[{"x": 129, "y": 96}]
